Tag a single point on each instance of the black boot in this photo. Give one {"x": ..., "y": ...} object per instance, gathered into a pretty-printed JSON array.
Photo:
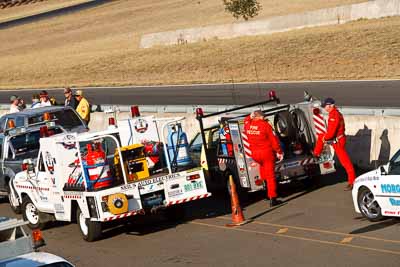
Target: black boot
[{"x": 274, "y": 202}]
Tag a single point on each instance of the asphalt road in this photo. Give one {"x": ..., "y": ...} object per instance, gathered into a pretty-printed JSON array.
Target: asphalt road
[
  {"x": 313, "y": 227},
  {"x": 50, "y": 14},
  {"x": 348, "y": 93}
]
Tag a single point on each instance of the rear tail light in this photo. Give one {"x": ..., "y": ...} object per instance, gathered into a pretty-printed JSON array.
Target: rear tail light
[
  {"x": 199, "y": 112},
  {"x": 327, "y": 165},
  {"x": 297, "y": 149},
  {"x": 272, "y": 95},
  {"x": 192, "y": 177},
  {"x": 37, "y": 239},
  {"x": 111, "y": 121},
  {"x": 135, "y": 111}
]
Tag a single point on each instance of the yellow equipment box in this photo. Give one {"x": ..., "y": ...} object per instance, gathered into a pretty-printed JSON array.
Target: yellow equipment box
[{"x": 135, "y": 163}]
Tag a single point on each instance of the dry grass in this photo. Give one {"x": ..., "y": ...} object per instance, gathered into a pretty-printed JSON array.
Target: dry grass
[
  {"x": 99, "y": 47},
  {"x": 22, "y": 11}
]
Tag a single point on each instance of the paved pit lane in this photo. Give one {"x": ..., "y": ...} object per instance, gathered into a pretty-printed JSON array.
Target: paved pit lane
[{"x": 315, "y": 226}]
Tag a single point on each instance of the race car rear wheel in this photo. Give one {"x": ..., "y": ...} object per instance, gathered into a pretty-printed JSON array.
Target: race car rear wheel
[
  {"x": 368, "y": 205},
  {"x": 91, "y": 231},
  {"x": 30, "y": 213}
]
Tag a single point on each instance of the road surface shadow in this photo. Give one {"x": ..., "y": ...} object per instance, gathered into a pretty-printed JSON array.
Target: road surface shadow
[{"x": 377, "y": 226}]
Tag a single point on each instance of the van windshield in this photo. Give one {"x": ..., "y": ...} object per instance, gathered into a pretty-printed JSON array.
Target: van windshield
[{"x": 67, "y": 118}]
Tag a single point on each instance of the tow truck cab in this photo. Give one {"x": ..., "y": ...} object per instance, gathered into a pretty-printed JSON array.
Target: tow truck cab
[
  {"x": 20, "y": 134},
  {"x": 226, "y": 150}
]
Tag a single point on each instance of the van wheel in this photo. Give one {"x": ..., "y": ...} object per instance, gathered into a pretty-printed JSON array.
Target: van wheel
[
  {"x": 91, "y": 231},
  {"x": 30, "y": 213},
  {"x": 368, "y": 205},
  {"x": 11, "y": 200}
]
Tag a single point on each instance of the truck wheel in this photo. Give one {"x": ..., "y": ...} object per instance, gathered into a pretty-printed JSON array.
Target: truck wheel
[
  {"x": 175, "y": 213},
  {"x": 368, "y": 206},
  {"x": 91, "y": 231},
  {"x": 30, "y": 213},
  {"x": 11, "y": 200}
]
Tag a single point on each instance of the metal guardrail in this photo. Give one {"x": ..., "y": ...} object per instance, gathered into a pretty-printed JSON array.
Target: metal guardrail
[{"x": 366, "y": 111}]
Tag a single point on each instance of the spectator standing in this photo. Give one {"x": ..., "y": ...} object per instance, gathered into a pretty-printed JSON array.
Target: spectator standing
[
  {"x": 83, "y": 108},
  {"x": 14, "y": 104},
  {"x": 44, "y": 99},
  {"x": 70, "y": 99},
  {"x": 21, "y": 103},
  {"x": 35, "y": 101}
]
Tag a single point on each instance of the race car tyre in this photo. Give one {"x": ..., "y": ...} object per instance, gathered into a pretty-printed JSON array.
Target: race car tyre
[
  {"x": 91, "y": 231},
  {"x": 175, "y": 213},
  {"x": 31, "y": 214},
  {"x": 284, "y": 126},
  {"x": 368, "y": 206},
  {"x": 11, "y": 199}
]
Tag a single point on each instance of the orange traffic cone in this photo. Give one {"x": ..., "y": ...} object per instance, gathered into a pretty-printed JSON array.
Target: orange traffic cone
[{"x": 237, "y": 214}]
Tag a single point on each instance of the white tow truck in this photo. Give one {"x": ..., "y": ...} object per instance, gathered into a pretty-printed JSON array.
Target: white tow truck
[{"x": 109, "y": 175}]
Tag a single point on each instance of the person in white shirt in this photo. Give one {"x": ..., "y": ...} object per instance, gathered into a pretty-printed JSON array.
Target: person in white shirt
[
  {"x": 44, "y": 99},
  {"x": 14, "y": 104}
]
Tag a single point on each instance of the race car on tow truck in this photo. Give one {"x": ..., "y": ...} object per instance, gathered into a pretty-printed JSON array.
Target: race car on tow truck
[
  {"x": 376, "y": 194},
  {"x": 222, "y": 149},
  {"x": 103, "y": 176}
]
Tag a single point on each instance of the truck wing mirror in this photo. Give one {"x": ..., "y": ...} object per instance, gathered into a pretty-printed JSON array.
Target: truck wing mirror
[{"x": 27, "y": 165}]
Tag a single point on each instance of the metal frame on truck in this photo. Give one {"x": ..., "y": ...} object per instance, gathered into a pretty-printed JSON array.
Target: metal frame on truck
[{"x": 295, "y": 123}]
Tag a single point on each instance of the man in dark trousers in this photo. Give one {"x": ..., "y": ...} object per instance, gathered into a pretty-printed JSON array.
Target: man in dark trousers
[
  {"x": 265, "y": 148},
  {"x": 70, "y": 100},
  {"x": 335, "y": 136}
]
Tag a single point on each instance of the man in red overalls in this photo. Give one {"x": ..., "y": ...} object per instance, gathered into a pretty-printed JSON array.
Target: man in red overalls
[
  {"x": 265, "y": 148},
  {"x": 336, "y": 137}
]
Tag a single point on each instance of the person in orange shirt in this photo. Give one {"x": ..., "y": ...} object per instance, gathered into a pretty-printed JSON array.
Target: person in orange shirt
[
  {"x": 335, "y": 135},
  {"x": 265, "y": 148}
]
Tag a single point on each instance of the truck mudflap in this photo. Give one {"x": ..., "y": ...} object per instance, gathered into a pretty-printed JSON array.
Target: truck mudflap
[{"x": 178, "y": 187}]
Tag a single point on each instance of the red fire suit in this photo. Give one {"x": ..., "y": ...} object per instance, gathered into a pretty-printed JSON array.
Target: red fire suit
[
  {"x": 263, "y": 146},
  {"x": 335, "y": 133}
]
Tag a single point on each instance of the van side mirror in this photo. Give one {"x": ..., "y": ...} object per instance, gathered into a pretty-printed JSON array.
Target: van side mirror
[{"x": 383, "y": 170}]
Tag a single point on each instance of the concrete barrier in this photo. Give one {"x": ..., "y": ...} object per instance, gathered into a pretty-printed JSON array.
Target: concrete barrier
[
  {"x": 371, "y": 139},
  {"x": 329, "y": 16}
]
